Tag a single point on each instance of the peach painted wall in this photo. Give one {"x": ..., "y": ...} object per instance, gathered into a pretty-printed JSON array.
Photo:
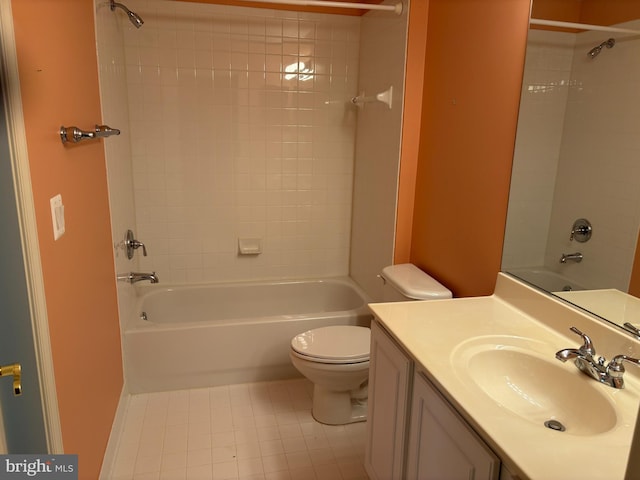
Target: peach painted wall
[
  {"x": 59, "y": 82},
  {"x": 597, "y": 12},
  {"x": 602, "y": 12},
  {"x": 563, "y": 10},
  {"x": 634, "y": 283},
  {"x": 474, "y": 65}
]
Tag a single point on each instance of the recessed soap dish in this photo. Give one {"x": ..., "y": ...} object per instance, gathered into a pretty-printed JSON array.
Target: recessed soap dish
[{"x": 249, "y": 246}]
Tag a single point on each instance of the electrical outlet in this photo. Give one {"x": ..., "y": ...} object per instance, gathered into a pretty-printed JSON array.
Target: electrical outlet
[{"x": 57, "y": 216}]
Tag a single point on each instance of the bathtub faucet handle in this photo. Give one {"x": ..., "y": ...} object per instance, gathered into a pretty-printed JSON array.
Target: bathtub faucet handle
[
  {"x": 136, "y": 244},
  {"x": 132, "y": 244}
]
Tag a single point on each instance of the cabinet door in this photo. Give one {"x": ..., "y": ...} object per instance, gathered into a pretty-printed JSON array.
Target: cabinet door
[
  {"x": 389, "y": 376},
  {"x": 441, "y": 445},
  {"x": 505, "y": 474}
]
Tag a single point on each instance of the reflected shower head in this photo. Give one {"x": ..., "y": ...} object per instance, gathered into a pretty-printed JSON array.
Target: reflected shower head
[
  {"x": 134, "y": 18},
  {"x": 595, "y": 51}
]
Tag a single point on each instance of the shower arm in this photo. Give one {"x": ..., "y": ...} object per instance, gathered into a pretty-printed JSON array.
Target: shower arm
[{"x": 133, "y": 17}]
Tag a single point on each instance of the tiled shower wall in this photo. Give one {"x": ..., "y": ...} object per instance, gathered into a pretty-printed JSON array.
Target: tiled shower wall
[
  {"x": 546, "y": 83},
  {"x": 576, "y": 156},
  {"x": 383, "y": 40},
  {"x": 599, "y": 173},
  {"x": 115, "y": 113},
  {"x": 241, "y": 127}
]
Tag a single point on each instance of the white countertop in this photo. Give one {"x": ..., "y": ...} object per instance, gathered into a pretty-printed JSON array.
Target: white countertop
[
  {"x": 435, "y": 333},
  {"x": 607, "y": 303}
]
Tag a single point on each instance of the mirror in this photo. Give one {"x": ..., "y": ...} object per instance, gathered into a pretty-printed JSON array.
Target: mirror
[{"x": 574, "y": 207}]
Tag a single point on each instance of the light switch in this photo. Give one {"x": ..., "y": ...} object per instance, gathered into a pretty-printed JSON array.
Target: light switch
[{"x": 57, "y": 216}]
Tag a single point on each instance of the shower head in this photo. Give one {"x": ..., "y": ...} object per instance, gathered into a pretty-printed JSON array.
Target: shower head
[
  {"x": 595, "y": 51},
  {"x": 133, "y": 17}
]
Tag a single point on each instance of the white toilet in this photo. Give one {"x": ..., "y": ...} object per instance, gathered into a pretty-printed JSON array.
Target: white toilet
[{"x": 336, "y": 358}]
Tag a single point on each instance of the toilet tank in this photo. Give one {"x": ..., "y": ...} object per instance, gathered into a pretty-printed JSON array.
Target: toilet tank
[{"x": 405, "y": 281}]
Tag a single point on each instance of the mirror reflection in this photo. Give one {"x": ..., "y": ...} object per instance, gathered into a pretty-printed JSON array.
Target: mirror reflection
[{"x": 574, "y": 207}]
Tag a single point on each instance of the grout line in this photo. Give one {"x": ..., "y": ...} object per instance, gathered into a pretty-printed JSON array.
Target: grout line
[{"x": 245, "y": 432}]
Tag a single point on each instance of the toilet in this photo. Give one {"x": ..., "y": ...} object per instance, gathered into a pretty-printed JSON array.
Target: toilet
[{"x": 336, "y": 358}]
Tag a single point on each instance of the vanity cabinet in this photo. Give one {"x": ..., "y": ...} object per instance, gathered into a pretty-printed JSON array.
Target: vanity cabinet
[
  {"x": 413, "y": 432},
  {"x": 389, "y": 381},
  {"x": 441, "y": 445}
]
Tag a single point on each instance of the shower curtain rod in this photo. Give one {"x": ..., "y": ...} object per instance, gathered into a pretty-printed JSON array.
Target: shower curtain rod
[
  {"x": 397, "y": 8},
  {"x": 583, "y": 26}
]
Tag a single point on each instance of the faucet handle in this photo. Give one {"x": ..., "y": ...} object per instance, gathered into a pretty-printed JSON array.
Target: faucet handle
[
  {"x": 588, "y": 344},
  {"x": 632, "y": 328},
  {"x": 136, "y": 244},
  {"x": 616, "y": 366},
  {"x": 132, "y": 244}
]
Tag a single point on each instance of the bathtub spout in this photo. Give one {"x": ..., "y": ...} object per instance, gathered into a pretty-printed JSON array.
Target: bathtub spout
[
  {"x": 574, "y": 257},
  {"x": 134, "y": 277}
]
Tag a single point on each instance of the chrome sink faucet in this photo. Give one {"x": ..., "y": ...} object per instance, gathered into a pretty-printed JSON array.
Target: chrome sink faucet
[{"x": 610, "y": 374}]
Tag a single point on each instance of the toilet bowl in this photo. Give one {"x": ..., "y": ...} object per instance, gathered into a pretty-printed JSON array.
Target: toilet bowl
[{"x": 336, "y": 358}]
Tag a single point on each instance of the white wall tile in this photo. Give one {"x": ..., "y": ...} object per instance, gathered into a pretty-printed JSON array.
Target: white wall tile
[
  {"x": 381, "y": 65},
  {"x": 113, "y": 68},
  {"x": 542, "y": 110},
  {"x": 591, "y": 139},
  {"x": 596, "y": 178},
  {"x": 223, "y": 143}
]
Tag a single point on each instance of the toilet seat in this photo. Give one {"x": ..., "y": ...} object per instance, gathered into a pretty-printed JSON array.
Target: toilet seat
[{"x": 338, "y": 344}]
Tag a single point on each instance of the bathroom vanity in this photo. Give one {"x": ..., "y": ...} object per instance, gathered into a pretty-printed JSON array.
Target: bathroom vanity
[{"x": 471, "y": 388}]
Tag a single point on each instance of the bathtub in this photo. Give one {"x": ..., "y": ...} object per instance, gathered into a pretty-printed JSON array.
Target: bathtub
[
  {"x": 545, "y": 279},
  {"x": 218, "y": 334}
]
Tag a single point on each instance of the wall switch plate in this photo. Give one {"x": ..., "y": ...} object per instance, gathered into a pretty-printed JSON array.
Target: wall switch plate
[{"x": 57, "y": 216}]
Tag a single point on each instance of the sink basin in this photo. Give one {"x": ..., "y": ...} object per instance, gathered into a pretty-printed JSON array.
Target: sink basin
[{"x": 530, "y": 383}]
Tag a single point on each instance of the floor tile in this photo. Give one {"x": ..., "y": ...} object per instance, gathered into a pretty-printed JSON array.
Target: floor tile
[{"x": 256, "y": 431}]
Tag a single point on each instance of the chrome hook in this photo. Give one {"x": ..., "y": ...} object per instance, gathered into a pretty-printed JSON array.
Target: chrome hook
[{"x": 75, "y": 135}]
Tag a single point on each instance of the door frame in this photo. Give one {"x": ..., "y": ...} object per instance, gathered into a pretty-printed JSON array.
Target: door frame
[{"x": 10, "y": 86}]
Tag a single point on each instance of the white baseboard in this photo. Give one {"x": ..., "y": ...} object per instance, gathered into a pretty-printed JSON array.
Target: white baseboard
[{"x": 108, "y": 462}]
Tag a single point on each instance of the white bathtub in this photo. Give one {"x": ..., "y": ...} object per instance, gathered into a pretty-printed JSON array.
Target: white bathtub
[
  {"x": 545, "y": 279},
  {"x": 206, "y": 335}
]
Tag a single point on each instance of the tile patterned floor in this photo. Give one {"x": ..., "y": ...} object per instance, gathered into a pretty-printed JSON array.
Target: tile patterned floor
[{"x": 258, "y": 431}]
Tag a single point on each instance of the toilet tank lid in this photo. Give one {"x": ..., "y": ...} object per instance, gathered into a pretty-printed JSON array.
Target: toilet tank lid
[{"x": 413, "y": 283}]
